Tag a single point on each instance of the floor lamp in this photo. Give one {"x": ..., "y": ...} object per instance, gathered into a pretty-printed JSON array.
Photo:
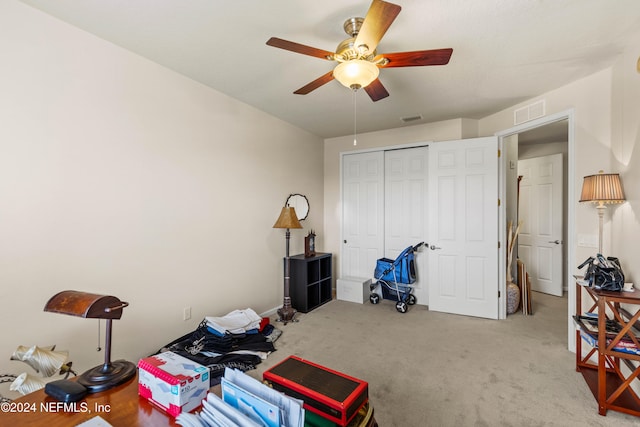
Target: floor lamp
[
  {"x": 603, "y": 188},
  {"x": 287, "y": 220}
]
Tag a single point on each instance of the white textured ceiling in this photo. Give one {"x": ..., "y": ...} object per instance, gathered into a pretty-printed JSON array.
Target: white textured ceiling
[{"x": 504, "y": 51}]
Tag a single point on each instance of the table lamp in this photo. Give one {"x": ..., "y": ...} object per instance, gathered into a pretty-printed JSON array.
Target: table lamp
[
  {"x": 92, "y": 306},
  {"x": 603, "y": 188},
  {"x": 287, "y": 219}
]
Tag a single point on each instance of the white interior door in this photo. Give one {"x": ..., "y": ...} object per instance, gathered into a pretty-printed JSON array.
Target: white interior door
[
  {"x": 405, "y": 213},
  {"x": 463, "y": 227},
  {"x": 540, "y": 210},
  {"x": 362, "y": 213}
]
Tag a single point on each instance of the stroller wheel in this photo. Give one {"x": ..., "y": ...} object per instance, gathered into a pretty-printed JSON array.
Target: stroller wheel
[
  {"x": 374, "y": 298},
  {"x": 412, "y": 299},
  {"x": 401, "y": 306}
]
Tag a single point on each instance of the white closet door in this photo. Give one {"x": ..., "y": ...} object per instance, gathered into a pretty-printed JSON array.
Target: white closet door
[
  {"x": 362, "y": 213},
  {"x": 406, "y": 213},
  {"x": 463, "y": 230},
  {"x": 540, "y": 241}
]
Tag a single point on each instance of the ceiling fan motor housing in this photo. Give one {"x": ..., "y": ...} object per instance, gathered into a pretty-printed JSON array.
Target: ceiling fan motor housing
[
  {"x": 352, "y": 26},
  {"x": 347, "y": 51}
]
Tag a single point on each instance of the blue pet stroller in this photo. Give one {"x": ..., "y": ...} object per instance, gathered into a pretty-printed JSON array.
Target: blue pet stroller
[{"x": 394, "y": 278}]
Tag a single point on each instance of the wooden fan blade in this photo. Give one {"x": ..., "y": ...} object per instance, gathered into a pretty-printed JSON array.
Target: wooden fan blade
[
  {"x": 376, "y": 91},
  {"x": 417, "y": 58},
  {"x": 300, "y": 48},
  {"x": 315, "y": 84},
  {"x": 379, "y": 18}
]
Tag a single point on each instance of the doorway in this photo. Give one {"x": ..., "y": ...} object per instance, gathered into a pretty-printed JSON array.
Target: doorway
[
  {"x": 542, "y": 158},
  {"x": 548, "y": 135}
]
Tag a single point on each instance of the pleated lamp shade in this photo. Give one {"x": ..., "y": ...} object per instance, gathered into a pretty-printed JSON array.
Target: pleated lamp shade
[
  {"x": 26, "y": 384},
  {"x": 603, "y": 188}
]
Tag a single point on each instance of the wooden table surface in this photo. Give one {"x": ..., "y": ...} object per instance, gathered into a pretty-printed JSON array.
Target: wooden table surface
[{"x": 120, "y": 406}]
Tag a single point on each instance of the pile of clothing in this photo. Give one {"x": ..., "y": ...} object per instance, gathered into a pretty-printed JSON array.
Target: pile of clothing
[
  {"x": 236, "y": 322},
  {"x": 240, "y": 340}
]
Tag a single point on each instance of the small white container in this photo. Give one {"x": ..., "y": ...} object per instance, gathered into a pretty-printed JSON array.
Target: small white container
[{"x": 353, "y": 289}]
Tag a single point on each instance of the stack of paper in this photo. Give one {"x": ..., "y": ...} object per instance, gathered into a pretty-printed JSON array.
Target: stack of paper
[{"x": 246, "y": 402}]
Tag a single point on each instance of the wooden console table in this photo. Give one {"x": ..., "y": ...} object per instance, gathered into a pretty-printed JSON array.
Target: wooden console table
[{"x": 606, "y": 379}]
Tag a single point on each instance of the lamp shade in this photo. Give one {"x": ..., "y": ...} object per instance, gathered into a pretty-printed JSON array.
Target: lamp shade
[
  {"x": 43, "y": 360},
  {"x": 22, "y": 350},
  {"x": 356, "y": 73},
  {"x": 84, "y": 304},
  {"x": 602, "y": 188},
  {"x": 287, "y": 219},
  {"x": 26, "y": 384}
]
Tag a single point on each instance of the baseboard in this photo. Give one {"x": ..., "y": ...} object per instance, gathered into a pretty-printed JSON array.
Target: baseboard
[{"x": 270, "y": 312}]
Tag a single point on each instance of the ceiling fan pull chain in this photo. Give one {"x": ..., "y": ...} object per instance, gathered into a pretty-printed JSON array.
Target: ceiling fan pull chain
[{"x": 355, "y": 117}]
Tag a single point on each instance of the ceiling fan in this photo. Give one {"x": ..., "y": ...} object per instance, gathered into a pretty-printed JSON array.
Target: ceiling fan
[{"x": 358, "y": 61}]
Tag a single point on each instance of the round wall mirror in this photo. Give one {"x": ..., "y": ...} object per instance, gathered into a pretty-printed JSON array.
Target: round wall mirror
[{"x": 300, "y": 204}]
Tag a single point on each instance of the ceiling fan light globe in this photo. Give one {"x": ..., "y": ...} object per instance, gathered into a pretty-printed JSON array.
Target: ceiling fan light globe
[{"x": 357, "y": 72}]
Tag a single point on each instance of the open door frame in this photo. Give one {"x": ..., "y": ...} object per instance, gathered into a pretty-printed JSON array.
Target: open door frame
[{"x": 571, "y": 195}]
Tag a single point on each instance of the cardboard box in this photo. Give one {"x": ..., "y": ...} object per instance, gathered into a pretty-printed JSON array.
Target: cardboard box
[
  {"x": 353, "y": 289},
  {"x": 172, "y": 382}
]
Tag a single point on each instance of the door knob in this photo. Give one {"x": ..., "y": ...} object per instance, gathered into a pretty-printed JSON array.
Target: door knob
[
  {"x": 557, "y": 242},
  {"x": 434, "y": 247}
]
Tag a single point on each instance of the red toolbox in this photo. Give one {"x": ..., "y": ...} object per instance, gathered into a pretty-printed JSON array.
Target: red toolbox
[{"x": 328, "y": 393}]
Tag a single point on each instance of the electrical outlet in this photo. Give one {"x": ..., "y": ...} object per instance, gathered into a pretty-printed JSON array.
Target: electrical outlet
[{"x": 186, "y": 313}]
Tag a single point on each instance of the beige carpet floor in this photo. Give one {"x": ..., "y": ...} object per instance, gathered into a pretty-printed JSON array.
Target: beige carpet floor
[{"x": 432, "y": 369}]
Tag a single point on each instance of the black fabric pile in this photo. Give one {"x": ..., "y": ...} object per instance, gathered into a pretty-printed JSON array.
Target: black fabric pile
[{"x": 239, "y": 351}]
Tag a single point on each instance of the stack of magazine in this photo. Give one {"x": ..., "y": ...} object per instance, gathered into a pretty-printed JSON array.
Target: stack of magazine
[
  {"x": 589, "y": 332},
  {"x": 245, "y": 402}
]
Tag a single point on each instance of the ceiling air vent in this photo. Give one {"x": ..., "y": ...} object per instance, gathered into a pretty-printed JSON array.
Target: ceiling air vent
[
  {"x": 529, "y": 112},
  {"x": 411, "y": 118}
]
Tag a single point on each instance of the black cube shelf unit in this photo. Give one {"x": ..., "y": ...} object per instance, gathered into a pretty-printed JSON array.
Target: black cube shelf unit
[{"x": 310, "y": 282}]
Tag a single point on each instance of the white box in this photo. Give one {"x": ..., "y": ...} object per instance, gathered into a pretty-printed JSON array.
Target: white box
[
  {"x": 353, "y": 289},
  {"x": 172, "y": 382}
]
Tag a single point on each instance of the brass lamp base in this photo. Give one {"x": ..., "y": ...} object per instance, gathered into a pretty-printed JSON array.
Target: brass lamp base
[{"x": 107, "y": 376}]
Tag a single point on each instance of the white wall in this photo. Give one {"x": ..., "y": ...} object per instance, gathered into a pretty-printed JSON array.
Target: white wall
[
  {"x": 607, "y": 133},
  {"x": 118, "y": 176},
  {"x": 590, "y": 98},
  {"x": 625, "y": 228}
]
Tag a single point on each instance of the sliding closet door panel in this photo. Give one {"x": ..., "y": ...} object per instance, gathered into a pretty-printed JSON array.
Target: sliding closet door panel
[
  {"x": 362, "y": 213},
  {"x": 405, "y": 213}
]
